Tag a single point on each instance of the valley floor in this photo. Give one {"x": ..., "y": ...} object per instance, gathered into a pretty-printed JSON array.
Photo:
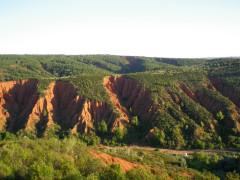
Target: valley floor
[
  {"x": 184, "y": 164},
  {"x": 170, "y": 151}
]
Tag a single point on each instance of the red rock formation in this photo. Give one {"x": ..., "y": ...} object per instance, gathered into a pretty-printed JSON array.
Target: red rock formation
[
  {"x": 91, "y": 113},
  {"x": 66, "y": 108},
  {"x": 17, "y": 99},
  {"x": 213, "y": 105},
  {"x": 108, "y": 83},
  {"x": 22, "y": 108},
  {"x": 233, "y": 93},
  {"x": 43, "y": 109},
  {"x": 129, "y": 92}
]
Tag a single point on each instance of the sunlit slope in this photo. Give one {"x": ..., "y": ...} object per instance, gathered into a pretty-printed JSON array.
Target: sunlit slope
[{"x": 174, "y": 103}]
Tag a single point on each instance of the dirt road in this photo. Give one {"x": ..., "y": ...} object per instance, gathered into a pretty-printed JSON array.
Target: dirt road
[{"x": 173, "y": 151}]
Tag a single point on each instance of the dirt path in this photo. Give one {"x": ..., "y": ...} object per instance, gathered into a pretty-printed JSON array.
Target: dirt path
[
  {"x": 173, "y": 151},
  {"x": 127, "y": 165},
  {"x": 108, "y": 159},
  {"x": 108, "y": 83}
]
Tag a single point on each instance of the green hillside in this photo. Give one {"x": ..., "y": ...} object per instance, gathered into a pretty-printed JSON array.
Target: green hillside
[{"x": 73, "y": 102}]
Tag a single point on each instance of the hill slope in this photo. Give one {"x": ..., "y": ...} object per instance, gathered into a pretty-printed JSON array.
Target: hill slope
[{"x": 174, "y": 103}]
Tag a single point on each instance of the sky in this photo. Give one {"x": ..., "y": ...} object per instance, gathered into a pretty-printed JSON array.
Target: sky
[{"x": 159, "y": 28}]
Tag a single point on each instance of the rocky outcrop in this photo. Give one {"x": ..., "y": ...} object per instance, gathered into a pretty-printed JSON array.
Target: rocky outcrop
[
  {"x": 123, "y": 118},
  {"x": 233, "y": 93},
  {"x": 214, "y": 105},
  {"x": 133, "y": 96},
  {"x": 17, "y": 99},
  {"x": 21, "y": 107},
  {"x": 63, "y": 106},
  {"x": 93, "y": 112},
  {"x": 41, "y": 116},
  {"x": 208, "y": 97}
]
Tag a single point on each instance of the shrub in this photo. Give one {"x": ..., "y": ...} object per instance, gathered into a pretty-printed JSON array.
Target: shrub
[
  {"x": 135, "y": 121},
  {"x": 206, "y": 176},
  {"x": 199, "y": 144},
  {"x": 7, "y": 136},
  {"x": 119, "y": 134},
  {"x": 102, "y": 128},
  {"x": 5, "y": 171},
  {"x": 234, "y": 141},
  {"x": 140, "y": 174},
  {"x": 90, "y": 139},
  {"x": 158, "y": 137},
  {"x": 40, "y": 170},
  {"x": 178, "y": 138},
  {"x": 112, "y": 172},
  {"x": 219, "y": 116},
  {"x": 52, "y": 131},
  {"x": 232, "y": 176},
  {"x": 26, "y": 134},
  {"x": 203, "y": 161},
  {"x": 65, "y": 168}
]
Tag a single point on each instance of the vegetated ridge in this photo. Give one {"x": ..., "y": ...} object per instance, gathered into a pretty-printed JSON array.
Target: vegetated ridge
[{"x": 173, "y": 103}]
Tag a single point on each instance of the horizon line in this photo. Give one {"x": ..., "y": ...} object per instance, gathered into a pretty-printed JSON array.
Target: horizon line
[{"x": 97, "y": 54}]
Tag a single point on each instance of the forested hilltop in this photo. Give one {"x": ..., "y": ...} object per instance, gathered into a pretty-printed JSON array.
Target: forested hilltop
[
  {"x": 80, "y": 100},
  {"x": 39, "y": 66}
]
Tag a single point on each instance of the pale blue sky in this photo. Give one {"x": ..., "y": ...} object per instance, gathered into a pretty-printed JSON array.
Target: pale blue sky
[{"x": 170, "y": 28}]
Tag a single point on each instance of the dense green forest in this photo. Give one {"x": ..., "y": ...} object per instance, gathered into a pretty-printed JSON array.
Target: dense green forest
[{"x": 23, "y": 156}]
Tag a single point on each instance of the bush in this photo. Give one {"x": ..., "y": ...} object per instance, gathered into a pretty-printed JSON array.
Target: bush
[
  {"x": 52, "y": 132},
  {"x": 140, "y": 174},
  {"x": 47, "y": 158},
  {"x": 112, "y": 172},
  {"x": 7, "y": 136},
  {"x": 40, "y": 170},
  {"x": 232, "y": 176},
  {"x": 65, "y": 168},
  {"x": 119, "y": 134},
  {"x": 206, "y": 176},
  {"x": 5, "y": 171},
  {"x": 157, "y": 138},
  {"x": 90, "y": 139},
  {"x": 26, "y": 134},
  {"x": 178, "y": 138},
  {"x": 203, "y": 161},
  {"x": 219, "y": 116},
  {"x": 199, "y": 144},
  {"x": 234, "y": 141},
  {"x": 135, "y": 121},
  {"x": 102, "y": 128}
]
